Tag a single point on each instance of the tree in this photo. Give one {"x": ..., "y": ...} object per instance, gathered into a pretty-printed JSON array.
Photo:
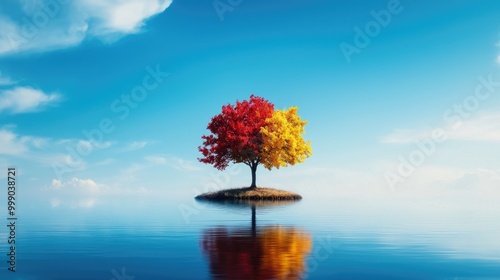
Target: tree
[{"x": 252, "y": 132}]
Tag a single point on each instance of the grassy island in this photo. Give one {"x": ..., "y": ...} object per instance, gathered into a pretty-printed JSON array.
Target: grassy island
[{"x": 249, "y": 193}]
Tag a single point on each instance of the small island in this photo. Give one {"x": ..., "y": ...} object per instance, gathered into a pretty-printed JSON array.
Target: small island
[
  {"x": 249, "y": 193},
  {"x": 253, "y": 132}
]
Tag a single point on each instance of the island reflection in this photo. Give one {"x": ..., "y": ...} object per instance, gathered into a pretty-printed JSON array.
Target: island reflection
[{"x": 269, "y": 252}]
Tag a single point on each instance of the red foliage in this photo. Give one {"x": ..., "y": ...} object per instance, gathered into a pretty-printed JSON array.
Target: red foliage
[{"x": 235, "y": 133}]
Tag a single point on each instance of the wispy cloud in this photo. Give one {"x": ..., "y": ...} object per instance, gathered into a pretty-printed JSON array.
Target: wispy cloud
[
  {"x": 483, "y": 127},
  {"x": 81, "y": 185},
  {"x": 10, "y": 144},
  {"x": 16, "y": 145},
  {"x": 156, "y": 160},
  {"x": 61, "y": 159},
  {"x": 121, "y": 16},
  {"x": 435, "y": 179},
  {"x": 68, "y": 23},
  {"x": 183, "y": 165},
  {"x": 26, "y": 99},
  {"x": 82, "y": 193},
  {"x": 48, "y": 152},
  {"x": 175, "y": 162},
  {"x": 107, "y": 161},
  {"x": 132, "y": 171},
  {"x": 83, "y": 144},
  {"x": 498, "y": 57},
  {"x": 6, "y": 81},
  {"x": 88, "y": 187},
  {"x": 403, "y": 136},
  {"x": 136, "y": 145}
]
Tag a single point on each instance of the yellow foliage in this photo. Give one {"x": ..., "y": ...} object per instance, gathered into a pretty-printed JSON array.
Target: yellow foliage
[
  {"x": 283, "y": 143},
  {"x": 284, "y": 252}
]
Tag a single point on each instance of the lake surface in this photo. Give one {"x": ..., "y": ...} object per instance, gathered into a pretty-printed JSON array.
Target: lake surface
[{"x": 175, "y": 237}]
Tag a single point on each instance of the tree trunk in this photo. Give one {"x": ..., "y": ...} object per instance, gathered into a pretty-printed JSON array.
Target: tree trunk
[{"x": 254, "y": 175}]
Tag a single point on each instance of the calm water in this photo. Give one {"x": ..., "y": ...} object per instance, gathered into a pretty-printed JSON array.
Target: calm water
[{"x": 340, "y": 237}]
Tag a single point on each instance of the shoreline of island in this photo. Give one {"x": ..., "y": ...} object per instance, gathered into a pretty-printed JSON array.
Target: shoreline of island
[{"x": 250, "y": 194}]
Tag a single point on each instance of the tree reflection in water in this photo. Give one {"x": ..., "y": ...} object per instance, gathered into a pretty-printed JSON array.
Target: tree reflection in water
[{"x": 270, "y": 252}]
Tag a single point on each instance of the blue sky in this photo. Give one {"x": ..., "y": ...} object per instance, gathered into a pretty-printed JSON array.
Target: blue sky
[{"x": 68, "y": 67}]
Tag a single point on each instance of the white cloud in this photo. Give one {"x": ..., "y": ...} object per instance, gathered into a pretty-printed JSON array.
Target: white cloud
[
  {"x": 103, "y": 145},
  {"x": 81, "y": 185},
  {"x": 11, "y": 144},
  {"x": 48, "y": 25},
  {"x": 429, "y": 179},
  {"x": 131, "y": 172},
  {"x": 136, "y": 145},
  {"x": 124, "y": 16},
  {"x": 85, "y": 193},
  {"x": 403, "y": 136},
  {"x": 44, "y": 151},
  {"x": 85, "y": 145},
  {"x": 498, "y": 57},
  {"x": 26, "y": 99},
  {"x": 156, "y": 160},
  {"x": 476, "y": 179},
  {"x": 482, "y": 127},
  {"x": 184, "y": 165},
  {"x": 38, "y": 150},
  {"x": 175, "y": 162},
  {"x": 88, "y": 146},
  {"x": 64, "y": 161},
  {"x": 57, "y": 184},
  {"x": 61, "y": 155},
  {"x": 37, "y": 142}
]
